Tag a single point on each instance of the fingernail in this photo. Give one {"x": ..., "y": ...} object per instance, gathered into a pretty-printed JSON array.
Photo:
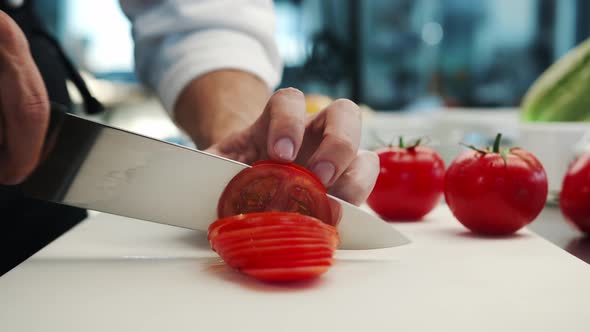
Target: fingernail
[
  {"x": 325, "y": 171},
  {"x": 284, "y": 148}
]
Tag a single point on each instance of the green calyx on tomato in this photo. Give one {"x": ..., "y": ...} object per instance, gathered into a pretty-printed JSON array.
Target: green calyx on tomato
[
  {"x": 496, "y": 148},
  {"x": 402, "y": 144}
]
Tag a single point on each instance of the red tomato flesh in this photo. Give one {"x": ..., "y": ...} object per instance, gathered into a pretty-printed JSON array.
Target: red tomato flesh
[
  {"x": 272, "y": 186},
  {"x": 250, "y": 260},
  {"x": 270, "y": 232},
  {"x": 292, "y": 263},
  {"x": 287, "y": 221},
  {"x": 268, "y": 245},
  {"x": 286, "y": 274},
  {"x": 274, "y": 250},
  {"x": 276, "y": 241}
]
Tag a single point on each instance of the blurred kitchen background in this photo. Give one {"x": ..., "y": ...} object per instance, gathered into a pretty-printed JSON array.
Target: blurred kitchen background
[
  {"x": 452, "y": 70},
  {"x": 387, "y": 54}
]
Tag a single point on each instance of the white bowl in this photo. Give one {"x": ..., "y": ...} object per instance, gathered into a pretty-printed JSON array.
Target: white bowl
[{"x": 556, "y": 145}]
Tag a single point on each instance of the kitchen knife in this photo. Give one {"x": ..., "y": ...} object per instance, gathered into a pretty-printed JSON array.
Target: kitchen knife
[{"x": 90, "y": 165}]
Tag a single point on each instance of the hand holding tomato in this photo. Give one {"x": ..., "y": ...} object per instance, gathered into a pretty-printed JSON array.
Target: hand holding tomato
[
  {"x": 409, "y": 184},
  {"x": 276, "y": 223},
  {"x": 496, "y": 192},
  {"x": 574, "y": 199},
  {"x": 327, "y": 143}
]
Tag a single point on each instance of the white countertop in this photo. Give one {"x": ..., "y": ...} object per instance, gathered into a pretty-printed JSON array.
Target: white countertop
[{"x": 116, "y": 274}]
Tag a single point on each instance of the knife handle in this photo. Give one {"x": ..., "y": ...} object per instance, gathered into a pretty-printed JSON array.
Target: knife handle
[{"x": 67, "y": 142}]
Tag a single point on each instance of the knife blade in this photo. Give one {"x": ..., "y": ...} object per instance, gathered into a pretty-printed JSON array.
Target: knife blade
[{"x": 90, "y": 165}]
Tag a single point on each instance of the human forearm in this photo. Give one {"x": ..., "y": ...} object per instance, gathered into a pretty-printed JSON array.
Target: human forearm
[{"x": 218, "y": 104}]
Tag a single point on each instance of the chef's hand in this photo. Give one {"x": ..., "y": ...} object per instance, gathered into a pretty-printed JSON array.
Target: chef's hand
[
  {"x": 326, "y": 143},
  {"x": 24, "y": 105}
]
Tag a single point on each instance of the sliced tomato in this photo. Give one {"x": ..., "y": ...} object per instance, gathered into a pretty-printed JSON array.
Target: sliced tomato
[
  {"x": 270, "y": 232},
  {"x": 286, "y": 273},
  {"x": 292, "y": 263},
  {"x": 275, "y": 250},
  {"x": 270, "y": 242},
  {"x": 251, "y": 256},
  {"x": 273, "y": 186},
  {"x": 286, "y": 241},
  {"x": 280, "y": 237},
  {"x": 250, "y": 260},
  {"x": 251, "y": 220}
]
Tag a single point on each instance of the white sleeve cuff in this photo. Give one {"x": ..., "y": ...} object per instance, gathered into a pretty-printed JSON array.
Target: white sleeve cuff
[{"x": 181, "y": 60}]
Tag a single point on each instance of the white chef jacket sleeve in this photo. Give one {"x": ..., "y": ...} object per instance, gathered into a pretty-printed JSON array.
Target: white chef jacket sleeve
[{"x": 176, "y": 41}]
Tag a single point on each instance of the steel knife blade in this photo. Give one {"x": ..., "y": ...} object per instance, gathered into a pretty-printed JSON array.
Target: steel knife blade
[{"x": 90, "y": 165}]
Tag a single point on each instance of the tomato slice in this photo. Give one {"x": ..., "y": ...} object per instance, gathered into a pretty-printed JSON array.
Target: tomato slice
[
  {"x": 250, "y": 260},
  {"x": 264, "y": 243},
  {"x": 270, "y": 232},
  {"x": 226, "y": 240},
  {"x": 248, "y": 257},
  {"x": 286, "y": 273},
  {"x": 273, "y": 186},
  {"x": 265, "y": 219},
  {"x": 292, "y": 263},
  {"x": 275, "y": 247},
  {"x": 268, "y": 244},
  {"x": 275, "y": 250}
]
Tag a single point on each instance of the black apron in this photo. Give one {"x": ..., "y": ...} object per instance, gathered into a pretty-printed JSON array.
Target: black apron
[{"x": 27, "y": 225}]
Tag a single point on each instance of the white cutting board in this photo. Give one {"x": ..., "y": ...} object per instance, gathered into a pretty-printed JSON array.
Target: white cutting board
[{"x": 116, "y": 274}]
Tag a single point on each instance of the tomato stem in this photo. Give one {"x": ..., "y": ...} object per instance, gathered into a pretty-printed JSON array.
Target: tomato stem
[
  {"x": 496, "y": 148},
  {"x": 401, "y": 142},
  {"x": 416, "y": 144}
]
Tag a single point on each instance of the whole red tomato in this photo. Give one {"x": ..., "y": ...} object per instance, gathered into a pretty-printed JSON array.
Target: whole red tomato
[
  {"x": 496, "y": 192},
  {"x": 574, "y": 199},
  {"x": 410, "y": 182}
]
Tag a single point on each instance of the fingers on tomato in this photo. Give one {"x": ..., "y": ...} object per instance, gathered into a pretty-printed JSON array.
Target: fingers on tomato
[
  {"x": 272, "y": 186},
  {"x": 278, "y": 246}
]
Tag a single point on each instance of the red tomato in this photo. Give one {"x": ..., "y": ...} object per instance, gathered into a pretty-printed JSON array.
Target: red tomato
[
  {"x": 574, "y": 199},
  {"x": 410, "y": 182},
  {"x": 275, "y": 246},
  {"x": 273, "y": 186},
  {"x": 495, "y": 193}
]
